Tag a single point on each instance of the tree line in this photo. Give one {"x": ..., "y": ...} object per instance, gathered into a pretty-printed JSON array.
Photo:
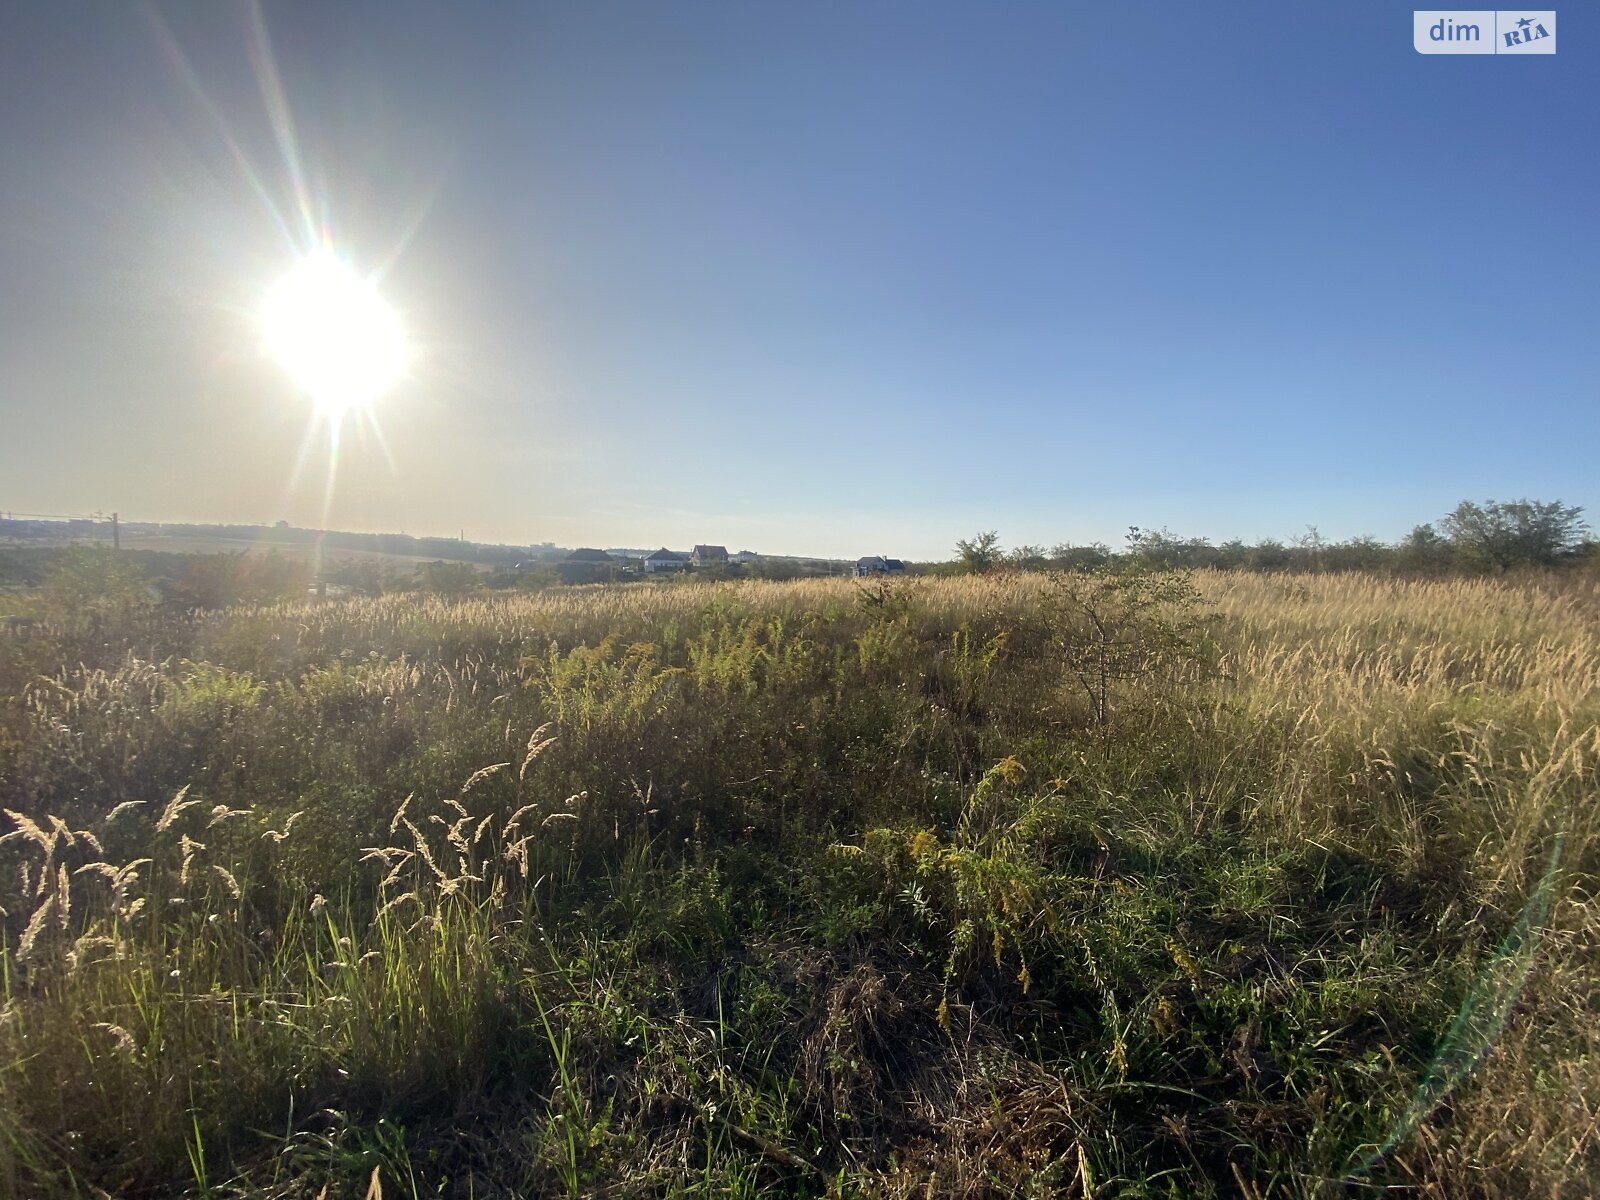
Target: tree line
[{"x": 1489, "y": 538}]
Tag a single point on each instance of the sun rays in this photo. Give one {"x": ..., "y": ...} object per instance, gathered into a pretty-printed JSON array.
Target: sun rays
[
  {"x": 323, "y": 321},
  {"x": 334, "y": 334}
]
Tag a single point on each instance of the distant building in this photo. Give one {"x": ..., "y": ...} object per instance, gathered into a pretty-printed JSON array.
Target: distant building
[
  {"x": 875, "y": 564},
  {"x": 705, "y": 556},
  {"x": 746, "y": 556},
  {"x": 663, "y": 560},
  {"x": 586, "y": 565}
]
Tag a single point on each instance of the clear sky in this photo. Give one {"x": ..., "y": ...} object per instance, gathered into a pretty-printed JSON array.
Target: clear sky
[{"x": 833, "y": 277}]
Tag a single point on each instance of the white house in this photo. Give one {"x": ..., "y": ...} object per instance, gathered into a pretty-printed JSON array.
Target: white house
[
  {"x": 876, "y": 564},
  {"x": 658, "y": 561}
]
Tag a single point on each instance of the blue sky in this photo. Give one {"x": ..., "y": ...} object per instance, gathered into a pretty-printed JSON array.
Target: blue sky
[{"x": 836, "y": 277}]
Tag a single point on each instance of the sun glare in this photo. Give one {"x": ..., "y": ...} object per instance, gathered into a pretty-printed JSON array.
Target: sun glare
[{"x": 337, "y": 338}]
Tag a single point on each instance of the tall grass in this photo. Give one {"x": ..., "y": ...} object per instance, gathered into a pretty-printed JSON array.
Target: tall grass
[{"x": 806, "y": 888}]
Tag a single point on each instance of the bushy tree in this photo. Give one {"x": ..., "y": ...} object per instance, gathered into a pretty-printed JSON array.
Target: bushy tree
[
  {"x": 1496, "y": 536},
  {"x": 1424, "y": 550},
  {"x": 980, "y": 553},
  {"x": 1080, "y": 558},
  {"x": 1268, "y": 554},
  {"x": 94, "y": 583},
  {"x": 1026, "y": 557},
  {"x": 1231, "y": 554},
  {"x": 1363, "y": 553},
  {"x": 363, "y": 575},
  {"x": 218, "y": 580},
  {"x": 1165, "y": 550},
  {"x": 449, "y": 578}
]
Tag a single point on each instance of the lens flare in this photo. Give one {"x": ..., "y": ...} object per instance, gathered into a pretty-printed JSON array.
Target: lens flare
[{"x": 337, "y": 338}]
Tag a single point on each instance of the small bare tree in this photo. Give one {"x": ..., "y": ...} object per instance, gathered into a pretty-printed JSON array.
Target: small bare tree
[{"x": 1116, "y": 627}]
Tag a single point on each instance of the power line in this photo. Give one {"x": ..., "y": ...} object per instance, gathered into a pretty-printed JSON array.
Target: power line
[
  {"x": 15, "y": 516},
  {"x": 94, "y": 518}
]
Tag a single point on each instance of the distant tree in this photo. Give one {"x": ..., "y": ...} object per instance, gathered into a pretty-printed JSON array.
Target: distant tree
[
  {"x": 1310, "y": 546},
  {"x": 533, "y": 576},
  {"x": 268, "y": 577},
  {"x": 1231, "y": 554},
  {"x": 448, "y": 578},
  {"x": 1424, "y": 550},
  {"x": 1065, "y": 554},
  {"x": 94, "y": 583},
  {"x": 1269, "y": 554},
  {"x": 1497, "y": 536},
  {"x": 1165, "y": 550},
  {"x": 1364, "y": 553},
  {"x": 367, "y": 576},
  {"x": 218, "y": 580},
  {"x": 1027, "y": 558},
  {"x": 980, "y": 553}
]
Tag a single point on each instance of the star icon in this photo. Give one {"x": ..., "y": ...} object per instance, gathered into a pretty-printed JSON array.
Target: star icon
[{"x": 1525, "y": 22}]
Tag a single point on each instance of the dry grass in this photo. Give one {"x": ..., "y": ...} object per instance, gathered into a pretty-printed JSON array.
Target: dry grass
[{"x": 718, "y": 888}]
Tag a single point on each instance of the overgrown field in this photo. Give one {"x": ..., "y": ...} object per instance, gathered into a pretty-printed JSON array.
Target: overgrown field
[{"x": 992, "y": 886}]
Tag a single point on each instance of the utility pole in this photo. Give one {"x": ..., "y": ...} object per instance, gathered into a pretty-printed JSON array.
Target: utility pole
[{"x": 116, "y": 533}]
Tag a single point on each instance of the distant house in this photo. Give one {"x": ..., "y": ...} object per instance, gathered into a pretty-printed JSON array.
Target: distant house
[
  {"x": 746, "y": 556},
  {"x": 586, "y": 565},
  {"x": 875, "y": 564},
  {"x": 658, "y": 561},
  {"x": 705, "y": 556}
]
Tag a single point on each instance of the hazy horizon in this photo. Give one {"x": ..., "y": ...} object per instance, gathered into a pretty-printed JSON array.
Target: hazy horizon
[{"x": 826, "y": 281}]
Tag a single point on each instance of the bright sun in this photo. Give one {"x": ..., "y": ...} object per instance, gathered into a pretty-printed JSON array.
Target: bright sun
[{"x": 334, "y": 334}]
